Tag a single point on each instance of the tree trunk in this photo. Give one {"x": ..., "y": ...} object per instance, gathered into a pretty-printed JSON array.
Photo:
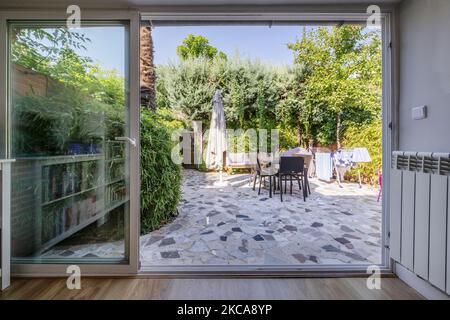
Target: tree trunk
[
  {"x": 299, "y": 136},
  {"x": 148, "y": 92},
  {"x": 338, "y": 130},
  {"x": 310, "y": 144}
]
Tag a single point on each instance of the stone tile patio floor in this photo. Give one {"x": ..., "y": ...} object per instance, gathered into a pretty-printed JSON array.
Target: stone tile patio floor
[{"x": 234, "y": 226}]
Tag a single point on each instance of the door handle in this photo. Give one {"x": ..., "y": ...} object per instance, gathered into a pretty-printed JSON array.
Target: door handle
[{"x": 127, "y": 139}]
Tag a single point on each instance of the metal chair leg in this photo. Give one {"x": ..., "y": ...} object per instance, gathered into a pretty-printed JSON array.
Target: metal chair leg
[
  {"x": 259, "y": 190},
  {"x": 299, "y": 184},
  {"x": 270, "y": 187},
  {"x": 308, "y": 187},
  {"x": 291, "y": 183},
  {"x": 304, "y": 190},
  {"x": 281, "y": 187}
]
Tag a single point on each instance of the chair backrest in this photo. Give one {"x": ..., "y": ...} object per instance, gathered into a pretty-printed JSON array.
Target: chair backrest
[
  {"x": 264, "y": 157},
  {"x": 292, "y": 165}
]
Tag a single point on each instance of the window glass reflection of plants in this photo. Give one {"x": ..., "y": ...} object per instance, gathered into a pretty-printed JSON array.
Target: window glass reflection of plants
[
  {"x": 116, "y": 169},
  {"x": 81, "y": 106}
]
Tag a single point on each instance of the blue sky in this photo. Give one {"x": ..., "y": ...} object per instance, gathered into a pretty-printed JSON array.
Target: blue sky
[
  {"x": 261, "y": 42},
  {"x": 107, "y": 47},
  {"x": 268, "y": 44}
]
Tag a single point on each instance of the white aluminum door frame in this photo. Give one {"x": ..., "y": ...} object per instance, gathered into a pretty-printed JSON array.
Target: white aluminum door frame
[
  {"x": 131, "y": 17},
  {"x": 390, "y": 139}
]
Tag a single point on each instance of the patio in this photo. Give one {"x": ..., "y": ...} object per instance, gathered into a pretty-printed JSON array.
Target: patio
[{"x": 234, "y": 226}]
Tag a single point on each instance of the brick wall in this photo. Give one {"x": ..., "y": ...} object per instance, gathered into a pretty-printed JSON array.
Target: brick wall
[
  {"x": 27, "y": 81},
  {"x": 26, "y": 173}
]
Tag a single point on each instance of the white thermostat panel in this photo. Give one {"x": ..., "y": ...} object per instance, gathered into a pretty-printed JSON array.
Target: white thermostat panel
[{"x": 419, "y": 113}]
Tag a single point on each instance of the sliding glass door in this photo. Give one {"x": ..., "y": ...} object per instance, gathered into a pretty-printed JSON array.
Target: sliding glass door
[{"x": 69, "y": 131}]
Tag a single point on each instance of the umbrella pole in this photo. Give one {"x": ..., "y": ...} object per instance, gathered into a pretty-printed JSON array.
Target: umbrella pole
[{"x": 221, "y": 182}]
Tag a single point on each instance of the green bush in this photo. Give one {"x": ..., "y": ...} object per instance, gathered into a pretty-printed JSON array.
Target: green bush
[
  {"x": 250, "y": 90},
  {"x": 370, "y": 137},
  {"x": 46, "y": 125},
  {"x": 160, "y": 176}
]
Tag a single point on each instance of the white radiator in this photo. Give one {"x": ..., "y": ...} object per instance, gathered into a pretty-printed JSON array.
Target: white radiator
[
  {"x": 419, "y": 223},
  {"x": 5, "y": 222}
]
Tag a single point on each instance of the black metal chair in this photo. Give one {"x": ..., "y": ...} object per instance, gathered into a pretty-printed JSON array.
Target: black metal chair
[{"x": 292, "y": 168}]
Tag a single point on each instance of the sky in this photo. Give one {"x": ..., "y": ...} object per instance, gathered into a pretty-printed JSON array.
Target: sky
[
  {"x": 268, "y": 44},
  {"x": 107, "y": 47},
  {"x": 260, "y": 42}
]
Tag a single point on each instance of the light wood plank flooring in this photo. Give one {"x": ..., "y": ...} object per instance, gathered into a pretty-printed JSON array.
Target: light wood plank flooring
[{"x": 223, "y": 289}]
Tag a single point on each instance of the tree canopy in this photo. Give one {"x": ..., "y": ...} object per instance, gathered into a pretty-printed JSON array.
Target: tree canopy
[
  {"x": 341, "y": 82},
  {"x": 198, "y": 47},
  {"x": 330, "y": 96},
  {"x": 334, "y": 83}
]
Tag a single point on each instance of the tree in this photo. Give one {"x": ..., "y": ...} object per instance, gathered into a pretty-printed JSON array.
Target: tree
[
  {"x": 56, "y": 53},
  {"x": 291, "y": 112},
  {"x": 250, "y": 90},
  {"x": 82, "y": 92},
  {"x": 187, "y": 87},
  {"x": 197, "y": 47},
  {"x": 37, "y": 48},
  {"x": 148, "y": 99},
  {"x": 342, "y": 78}
]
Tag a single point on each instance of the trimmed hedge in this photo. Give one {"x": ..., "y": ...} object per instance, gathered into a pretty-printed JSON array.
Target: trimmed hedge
[{"x": 160, "y": 176}]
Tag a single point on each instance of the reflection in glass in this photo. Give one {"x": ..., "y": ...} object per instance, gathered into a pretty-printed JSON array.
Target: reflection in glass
[{"x": 70, "y": 182}]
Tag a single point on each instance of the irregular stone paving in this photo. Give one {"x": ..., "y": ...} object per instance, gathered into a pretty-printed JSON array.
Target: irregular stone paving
[
  {"x": 106, "y": 250},
  {"x": 234, "y": 226}
]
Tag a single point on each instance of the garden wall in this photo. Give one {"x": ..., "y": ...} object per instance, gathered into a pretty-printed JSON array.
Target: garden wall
[
  {"x": 25, "y": 81},
  {"x": 25, "y": 175}
]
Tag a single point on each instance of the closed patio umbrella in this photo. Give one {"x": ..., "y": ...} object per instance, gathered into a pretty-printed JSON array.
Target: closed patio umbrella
[{"x": 217, "y": 138}]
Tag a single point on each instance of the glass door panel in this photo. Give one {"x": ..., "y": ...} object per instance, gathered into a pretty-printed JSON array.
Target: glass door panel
[{"x": 68, "y": 104}]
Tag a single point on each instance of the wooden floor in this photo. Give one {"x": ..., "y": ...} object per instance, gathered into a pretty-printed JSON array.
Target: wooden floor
[{"x": 229, "y": 289}]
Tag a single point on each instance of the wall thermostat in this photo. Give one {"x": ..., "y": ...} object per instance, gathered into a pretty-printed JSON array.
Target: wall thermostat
[{"x": 419, "y": 113}]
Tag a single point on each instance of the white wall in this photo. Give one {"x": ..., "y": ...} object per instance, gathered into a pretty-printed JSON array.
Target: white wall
[
  {"x": 425, "y": 74},
  {"x": 424, "y": 62}
]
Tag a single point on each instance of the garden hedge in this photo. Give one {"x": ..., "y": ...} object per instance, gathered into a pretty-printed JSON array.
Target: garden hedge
[{"x": 160, "y": 176}]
